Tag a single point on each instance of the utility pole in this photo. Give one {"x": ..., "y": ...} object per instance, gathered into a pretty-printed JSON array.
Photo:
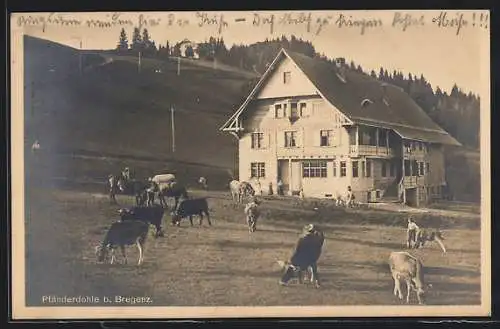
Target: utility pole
[
  {"x": 80, "y": 59},
  {"x": 173, "y": 128},
  {"x": 139, "y": 63},
  {"x": 178, "y": 65}
]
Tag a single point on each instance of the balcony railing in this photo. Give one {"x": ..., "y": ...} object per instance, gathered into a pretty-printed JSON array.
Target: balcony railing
[{"x": 371, "y": 150}]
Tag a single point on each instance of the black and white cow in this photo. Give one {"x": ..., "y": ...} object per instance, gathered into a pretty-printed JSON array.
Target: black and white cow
[
  {"x": 190, "y": 208},
  {"x": 152, "y": 215},
  {"x": 305, "y": 257},
  {"x": 122, "y": 234}
]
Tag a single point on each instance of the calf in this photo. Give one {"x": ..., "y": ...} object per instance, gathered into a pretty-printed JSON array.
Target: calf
[
  {"x": 252, "y": 213},
  {"x": 152, "y": 215},
  {"x": 122, "y": 234},
  {"x": 189, "y": 208},
  {"x": 424, "y": 235},
  {"x": 409, "y": 268}
]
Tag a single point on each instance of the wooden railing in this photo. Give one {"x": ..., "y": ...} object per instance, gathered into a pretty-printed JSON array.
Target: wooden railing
[{"x": 371, "y": 150}]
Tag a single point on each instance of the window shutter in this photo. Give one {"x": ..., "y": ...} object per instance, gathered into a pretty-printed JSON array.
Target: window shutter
[
  {"x": 272, "y": 111},
  {"x": 280, "y": 139},
  {"x": 299, "y": 141}
]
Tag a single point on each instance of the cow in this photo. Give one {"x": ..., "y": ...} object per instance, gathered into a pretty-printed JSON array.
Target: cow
[
  {"x": 307, "y": 252},
  {"x": 122, "y": 234},
  {"x": 240, "y": 189},
  {"x": 173, "y": 190},
  {"x": 118, "y": 184},
  {"x": 189, "y": 208},
  {"x": 163, "y": 179},
  {"x": 152, "y": 215},
  {"x": 409, "y": 268},
  {"x": 252, "y": 213},
  {"x": 429, "y": 235}
]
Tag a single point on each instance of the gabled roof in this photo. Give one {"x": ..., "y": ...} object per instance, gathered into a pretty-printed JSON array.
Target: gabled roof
[{"x": 390, "y": 106}]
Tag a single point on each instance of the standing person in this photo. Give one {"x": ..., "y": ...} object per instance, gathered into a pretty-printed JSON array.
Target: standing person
[
  {"x": 259, "y": 187},
  {"x": 306, "y": 254},
  {"x": 126, "y": 173},
  {"x": 113, "y": 187},
  {"x": 270, "y": 191},
  {"x": 203, "y": 183},
  {"x": 349, "y": 197},
  {"x": 412, "y": 232},
  {"x": 252, "y": 213},
  {"x": 280, "y": 187}
]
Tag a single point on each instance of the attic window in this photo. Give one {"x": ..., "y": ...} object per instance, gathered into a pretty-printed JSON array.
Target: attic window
[
  {"x": 366, "y": 102},
  {"x": 287, "y": 77}
]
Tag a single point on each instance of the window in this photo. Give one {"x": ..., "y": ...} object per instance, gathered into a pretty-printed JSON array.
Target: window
[
  {"x": 326, "y": 137},
  {"x": 413, "y": 146},
  {"x": 384, "y": 169},
  {"x": 421, "y": 167},
  {"x": 257, "y": 140},
  {"x": 419, "y": 146},
  {"x": 303, "y": 109},
  {"x": 367, "y": 136},
  {"x": 377, "y": 194},
  {"x": 414, "y": 168},
  {"x": 314, "y": 168},
  {"x": 287, "y": 77},
  {"x": 407, "y": 168},
  {"x": 343, "y": 169},
  {"x": 382, "y": 138},
  {"x": 278, "y": 110},
  {"x": 285, "y": 110},
  {"x": 363, "y": 168},
  {"x": 355, "y": 169},
  {"x": 428, "y": 169},
  {"x": 368, "y": 168},
  {"x": 294, "y": 112},
  {"x": 258, "y": 169},
  {"x": 290, "y": 138},
  {"x": 334, "y": 168},
  {"x": 392, "y": 169}
]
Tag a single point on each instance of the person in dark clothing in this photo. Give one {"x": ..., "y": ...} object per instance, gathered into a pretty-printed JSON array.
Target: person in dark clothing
[{"x": 307, "y": 252}]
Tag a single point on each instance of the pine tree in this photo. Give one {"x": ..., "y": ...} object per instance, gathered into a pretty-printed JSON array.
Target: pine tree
[
  {"x": 136, "y": 45},
  {"x": 123, "y": 42}
]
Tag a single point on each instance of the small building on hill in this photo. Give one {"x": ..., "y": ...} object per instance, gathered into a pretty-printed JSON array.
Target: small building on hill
[
  {"x": 188, "y": 49},
  {"x": 320, "y": 128}
]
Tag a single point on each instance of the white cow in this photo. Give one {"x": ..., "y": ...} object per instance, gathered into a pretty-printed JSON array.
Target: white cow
[
  {"x": 163, "y": 180},
  {"x": 409, "y": 268},
  {"x": 240, "y": 189}
]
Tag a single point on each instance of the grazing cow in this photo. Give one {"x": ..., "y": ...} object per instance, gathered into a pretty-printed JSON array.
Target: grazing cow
[
  {"x": 409, "y": 268},
  {"x": 173, "y": 190},
  {"x": 122, "y": 234},
  {"x": 240, "y": 189},
  {"x": 426, "y": 235},
  {"x": 152, "y": 215},
  {"x": 189, "y": 208},
  {"x": 306, "y": 255},
  {"x": 252, "y": 213}
]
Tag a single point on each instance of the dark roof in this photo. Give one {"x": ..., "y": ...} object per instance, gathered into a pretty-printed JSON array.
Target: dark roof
[{"x": 391, "y": 107}]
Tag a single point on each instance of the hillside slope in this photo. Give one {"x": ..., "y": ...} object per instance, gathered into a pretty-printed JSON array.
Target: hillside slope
[{"x": 113, "y": 109}]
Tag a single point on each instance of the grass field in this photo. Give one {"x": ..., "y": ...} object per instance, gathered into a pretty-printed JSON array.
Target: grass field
[{"x": 225, "y": 265}]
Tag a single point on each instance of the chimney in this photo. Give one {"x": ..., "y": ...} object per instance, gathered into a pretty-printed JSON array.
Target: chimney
[{"x": 340, "y": 64}]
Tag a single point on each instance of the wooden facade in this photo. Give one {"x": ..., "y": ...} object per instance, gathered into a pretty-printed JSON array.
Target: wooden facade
[{"x": 288, "y": 131}]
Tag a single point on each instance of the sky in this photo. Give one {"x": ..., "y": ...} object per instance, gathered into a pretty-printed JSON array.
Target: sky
[{"x": 445, "y": 49}]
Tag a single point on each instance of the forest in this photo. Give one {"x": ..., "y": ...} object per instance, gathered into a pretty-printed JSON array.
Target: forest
[{"x": 457, "y": 112}]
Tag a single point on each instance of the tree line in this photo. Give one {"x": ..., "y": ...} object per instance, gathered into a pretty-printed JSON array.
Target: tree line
[{"x": 457, "y": 112}]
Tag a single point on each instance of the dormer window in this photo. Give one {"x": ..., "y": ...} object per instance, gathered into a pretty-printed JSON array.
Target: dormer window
[
  {"x": 287, "y": 76},
  {"x": 366, "y": 102}
]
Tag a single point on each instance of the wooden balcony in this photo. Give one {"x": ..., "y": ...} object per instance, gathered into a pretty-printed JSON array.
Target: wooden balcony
[{"x": 370, "y": 150}]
